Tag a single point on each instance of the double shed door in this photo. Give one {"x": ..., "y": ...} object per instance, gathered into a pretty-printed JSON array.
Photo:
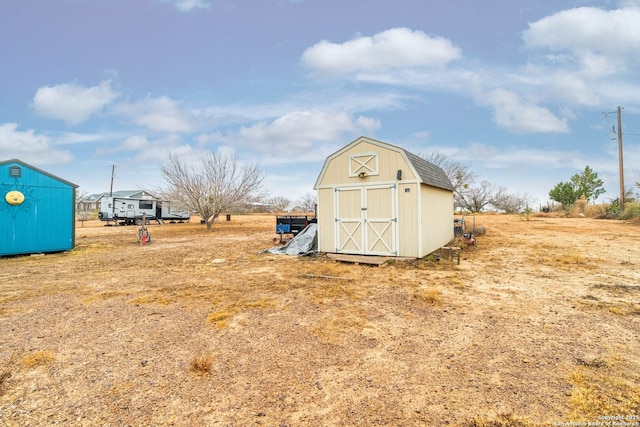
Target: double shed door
[{"x": 366, "y": 220}]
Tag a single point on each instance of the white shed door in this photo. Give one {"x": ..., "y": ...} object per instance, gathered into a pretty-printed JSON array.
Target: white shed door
[{"x": 365, "y": 220}]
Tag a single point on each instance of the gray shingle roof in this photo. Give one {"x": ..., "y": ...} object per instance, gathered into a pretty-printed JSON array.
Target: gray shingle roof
[{"x": 429, "y": 173}]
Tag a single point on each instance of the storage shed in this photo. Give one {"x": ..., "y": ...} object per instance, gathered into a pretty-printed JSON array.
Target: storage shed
[
  {"x": 37, "y": 210},
  {"x": 375, "y": 198}
]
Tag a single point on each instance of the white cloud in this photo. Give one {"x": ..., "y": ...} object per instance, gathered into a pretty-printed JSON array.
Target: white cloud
[
  {"x": 298, "y": 136},
  {"x": 29, "y": 147},
  {"x": 189, "y": 5},
  {"x": 135, "y": 143},
  {"x": 499, "y": 158},
  {"x": 72, "y": 103},
  {"x": 161, "y": 114},
  {"x": 143, "y": 149},
  {"x": 68, "y": 138},
  {"x": 423, "y": 136},
  {"x": 601, "y": 41},
  {"x": 514, "y": 114},
  {"x": 299, "y": 130},
  {"x": 213, "y": 138},
  {"x": 572, "y": 89},
  {"x": 393, "y": 49}
]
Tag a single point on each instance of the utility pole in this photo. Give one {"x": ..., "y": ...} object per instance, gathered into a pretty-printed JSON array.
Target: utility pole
[
  {"x": 620, "y": 165},
  {"x": 620, "y": 159},
  {"x": 113, "y": 170}
]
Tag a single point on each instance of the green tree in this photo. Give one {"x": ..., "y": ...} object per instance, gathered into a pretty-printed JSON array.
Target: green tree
[
  {"x": 564, "y": 193},
  {"x": 588, "y": 184}
]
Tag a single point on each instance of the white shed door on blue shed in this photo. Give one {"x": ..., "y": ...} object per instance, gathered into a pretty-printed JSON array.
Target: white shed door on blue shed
[{"x": 366, "y": 220}]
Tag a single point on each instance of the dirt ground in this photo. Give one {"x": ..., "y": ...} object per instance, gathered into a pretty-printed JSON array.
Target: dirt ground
[{"x": 537, "y": 325}]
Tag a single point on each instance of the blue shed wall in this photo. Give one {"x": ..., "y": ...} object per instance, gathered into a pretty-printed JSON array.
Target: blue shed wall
[{"x": 45, "y": 221}]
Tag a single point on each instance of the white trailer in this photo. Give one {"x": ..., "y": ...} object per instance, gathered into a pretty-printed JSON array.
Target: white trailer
[{"x": 129, "y": 211}]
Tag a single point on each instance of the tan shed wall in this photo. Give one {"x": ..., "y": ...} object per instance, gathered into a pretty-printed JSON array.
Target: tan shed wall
[
  {"x": 337, "y": 171},
  {"x": 408, "y": 219},
  {"x": 437, "y": 211},
  {"x": 326, "y": 241}
]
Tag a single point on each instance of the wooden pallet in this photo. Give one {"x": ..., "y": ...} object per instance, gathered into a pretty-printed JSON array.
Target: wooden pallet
[{"x": 362, "y": 259}]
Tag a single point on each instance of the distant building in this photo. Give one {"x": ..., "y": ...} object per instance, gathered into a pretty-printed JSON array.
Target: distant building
[{"x": 37, "y": 210}]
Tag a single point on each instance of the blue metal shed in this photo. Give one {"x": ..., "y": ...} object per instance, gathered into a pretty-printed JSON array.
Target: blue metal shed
[{"x": 37, "y": 210}]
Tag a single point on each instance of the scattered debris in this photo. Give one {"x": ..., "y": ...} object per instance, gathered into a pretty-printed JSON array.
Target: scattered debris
[
  {"x": 322, "y": 276},
  {"x": 304, "y": 243}
]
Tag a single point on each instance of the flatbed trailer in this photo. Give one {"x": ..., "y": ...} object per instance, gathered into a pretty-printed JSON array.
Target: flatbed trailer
[{"x": 293, "y": 224}]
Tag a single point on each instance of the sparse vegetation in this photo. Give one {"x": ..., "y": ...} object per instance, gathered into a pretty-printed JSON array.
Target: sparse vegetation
[
  {"x": 430, "y": 295},
  {"x": 601, "y": 389},
  {"x": 201, "y": 364},
  {"x": 36, "y": 358},
  {"x": 377, "y": 345},
  {"x": 501, "y": 420},
  {"x": 5, "y": 371},
  {"x": 586, "y": 185},
  {"x": 631, "y": 211}
]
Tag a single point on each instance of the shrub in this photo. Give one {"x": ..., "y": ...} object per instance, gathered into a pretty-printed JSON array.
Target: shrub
[
  {"x": 611, "y": 211},
  {"x": 37, "y": 358},
  {"x": 201, "y": 364},
  {"x": 430, "y": 295},
  {"x": 5, "y": 371},
  {"x": 631, "y": 211}
]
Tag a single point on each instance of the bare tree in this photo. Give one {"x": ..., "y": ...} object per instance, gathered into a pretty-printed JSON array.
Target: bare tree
[
  {"x": 459, "y": 174},
  {"x": 279, "y": 203},
  {"x": 308, "y": 202},
  {"x": 219, "y": 183},
  {"x": 477, "y": 198},
  {"x": 512, "y": 203}
]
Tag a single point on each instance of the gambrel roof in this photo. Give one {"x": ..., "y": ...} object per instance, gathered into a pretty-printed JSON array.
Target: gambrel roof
[{"x": 429, "y": 173}]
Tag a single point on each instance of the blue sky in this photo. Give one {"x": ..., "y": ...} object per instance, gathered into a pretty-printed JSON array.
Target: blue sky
[{"x": 515, "y": 89}]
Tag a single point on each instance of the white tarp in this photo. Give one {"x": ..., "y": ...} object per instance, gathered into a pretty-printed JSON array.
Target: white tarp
[{"x": 304, "y": 243}]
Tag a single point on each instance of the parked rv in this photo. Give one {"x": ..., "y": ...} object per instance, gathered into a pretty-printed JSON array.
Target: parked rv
[{"x": 129, "y": 210}]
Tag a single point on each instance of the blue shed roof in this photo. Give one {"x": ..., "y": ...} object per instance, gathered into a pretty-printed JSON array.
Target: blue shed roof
[{"x": 20, "y": 162}]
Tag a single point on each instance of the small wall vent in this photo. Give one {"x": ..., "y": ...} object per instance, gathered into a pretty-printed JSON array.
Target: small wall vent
[{"x": 15, "y": 172}]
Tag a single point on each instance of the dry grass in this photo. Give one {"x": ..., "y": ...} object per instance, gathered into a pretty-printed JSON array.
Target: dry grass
[
  {"x": 201, "y": 364},
  {"x": 501, "y": 420},
  {"x": 602, "y": 387},
  {"x": 430, "y": 295},
  {"x": 338, "y": 326},
  {"x": 5, "y": 371},
  {"x": 221, "y": 317},
  {"x": 36, "y": 358},
  {"x": 567, "y": 258},
  {"x": 342, "y": 344},
  {"x": 621, "y": 308}
]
